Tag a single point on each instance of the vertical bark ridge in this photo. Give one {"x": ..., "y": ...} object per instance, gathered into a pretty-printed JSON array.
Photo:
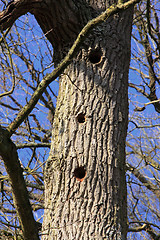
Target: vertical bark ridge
[{"x": 94, "y": 208}]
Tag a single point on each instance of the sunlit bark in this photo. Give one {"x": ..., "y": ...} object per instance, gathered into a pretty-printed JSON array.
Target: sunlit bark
[{"x": 85, "y": 196}]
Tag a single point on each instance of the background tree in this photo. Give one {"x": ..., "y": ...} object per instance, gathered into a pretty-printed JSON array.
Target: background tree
[
  {"x": 143, "y": 140},
  {"x": 34, "y": 130},
  {"x": 33, "y": 134}
]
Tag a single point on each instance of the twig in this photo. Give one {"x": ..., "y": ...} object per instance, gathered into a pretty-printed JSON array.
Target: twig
[
  {"x": 11, "y": 64},
  {"x": 65, "y": 62}
]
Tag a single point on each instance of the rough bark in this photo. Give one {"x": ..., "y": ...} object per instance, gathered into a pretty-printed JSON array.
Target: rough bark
[{"x": 85, "y": 195}]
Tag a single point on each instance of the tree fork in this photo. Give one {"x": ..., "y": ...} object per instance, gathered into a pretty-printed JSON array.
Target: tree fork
[{"x": 69, "y": 165}]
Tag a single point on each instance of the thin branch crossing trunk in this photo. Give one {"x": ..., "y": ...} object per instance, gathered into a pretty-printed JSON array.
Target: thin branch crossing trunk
[
  {"x": 85, "y": 196},
  {"x": 85, "y": 186}
]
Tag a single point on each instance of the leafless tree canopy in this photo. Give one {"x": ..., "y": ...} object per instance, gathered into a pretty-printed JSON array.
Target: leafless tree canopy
[{"x": 26, "y": 58}]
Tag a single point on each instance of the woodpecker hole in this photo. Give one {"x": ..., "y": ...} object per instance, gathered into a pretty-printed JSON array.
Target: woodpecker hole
[
  {"x": 81, "y": 118},
  {"x": 95, "y": 56},
  {"x": 80, "y": 173}
]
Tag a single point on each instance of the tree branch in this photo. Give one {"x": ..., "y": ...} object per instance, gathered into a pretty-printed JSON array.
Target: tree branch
[
  {"x": 145, "y": 227},
  {"x": 20, "y": 195},
  {"x": 33, "y": 144},
  {"x": 65, "y": 62},
  {"x": 11, "y": 66},
  {"x": 7, "y": 148},
  {"x": 148, "y": 184}
]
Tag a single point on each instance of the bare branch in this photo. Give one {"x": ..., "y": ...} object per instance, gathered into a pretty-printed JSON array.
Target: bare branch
[
  {"x": 148, "y": 184},
  {"x": 12, "y": 69},
  {"x": 33, "y": 144},
  {"x": 20, "y": 194},
  {"x": 65, "y": 62}
]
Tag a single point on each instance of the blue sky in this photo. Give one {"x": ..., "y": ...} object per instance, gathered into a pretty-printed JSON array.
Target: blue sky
[{"x": 37, "y": 48}]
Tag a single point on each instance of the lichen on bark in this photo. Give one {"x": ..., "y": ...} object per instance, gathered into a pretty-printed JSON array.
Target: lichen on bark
[{"x": 94, "y": 208}]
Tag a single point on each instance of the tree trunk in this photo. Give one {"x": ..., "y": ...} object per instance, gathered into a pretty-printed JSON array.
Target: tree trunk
[{"x": 85, "y": 186}]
